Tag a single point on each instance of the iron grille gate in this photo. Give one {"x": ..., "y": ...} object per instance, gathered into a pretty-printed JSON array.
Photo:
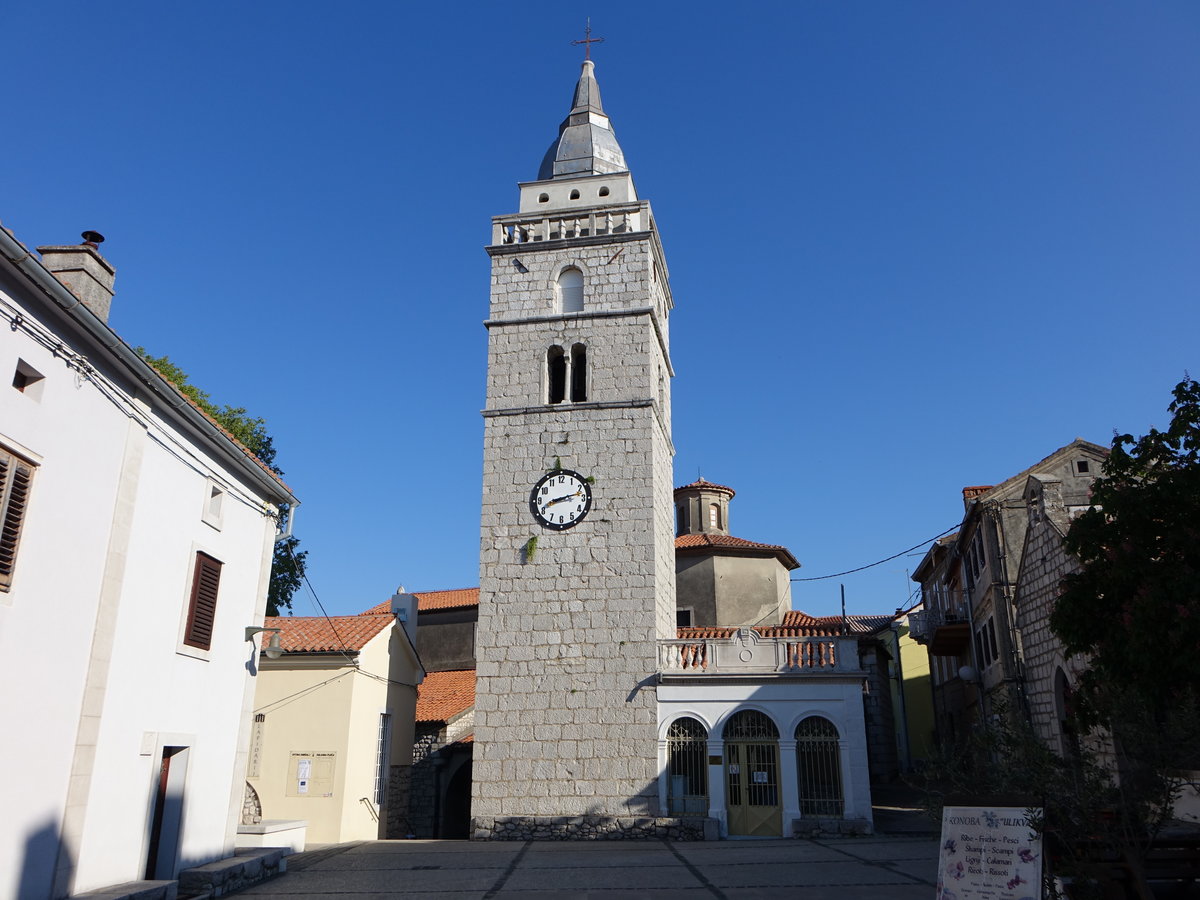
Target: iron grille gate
[
  {"x": 819, "y": 769},
  {"x": 687, "y": 768},
  {"x": 752, "y": 774}
]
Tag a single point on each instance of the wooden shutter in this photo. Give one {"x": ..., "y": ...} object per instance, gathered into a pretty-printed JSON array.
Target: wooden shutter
[
  {"x": 203, "y": 607},
  {"x": 15, "y": 478}
]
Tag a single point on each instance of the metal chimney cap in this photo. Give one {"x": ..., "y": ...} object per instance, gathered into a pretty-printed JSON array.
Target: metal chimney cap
[{"x": 92, "y": 237}]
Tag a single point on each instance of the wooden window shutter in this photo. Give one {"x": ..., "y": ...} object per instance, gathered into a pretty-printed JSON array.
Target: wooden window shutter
[
  {"x": 15, "y": 478},
  {"x": 202, "y": 609}
]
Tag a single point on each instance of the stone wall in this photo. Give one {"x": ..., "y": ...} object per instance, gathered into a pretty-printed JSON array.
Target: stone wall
[
  {"x": 880, "y": 720},
  {"x": 398, "y": 803},
  {"x": 594, "y": 828}
]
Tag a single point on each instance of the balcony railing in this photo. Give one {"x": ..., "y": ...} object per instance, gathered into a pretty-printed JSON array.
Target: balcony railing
[
  {"x": 526, "y": 228},
  {"x": 923, "y": 624},
  {"x": 747, "y": 652}
]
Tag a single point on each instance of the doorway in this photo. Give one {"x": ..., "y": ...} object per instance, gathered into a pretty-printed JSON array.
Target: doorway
[
  {"x": 166, "y": 823},
  {"x": 752, "y": 775}
]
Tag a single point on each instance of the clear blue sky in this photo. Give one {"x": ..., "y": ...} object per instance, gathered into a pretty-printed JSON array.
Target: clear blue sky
[{"x": 913, "y": 246}]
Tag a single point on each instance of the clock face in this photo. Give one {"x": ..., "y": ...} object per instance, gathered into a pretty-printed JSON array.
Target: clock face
[{"x": 560, "y": 500}]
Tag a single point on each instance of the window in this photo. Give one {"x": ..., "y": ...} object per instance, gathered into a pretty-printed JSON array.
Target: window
[
  {"x": 543, "y": 198},
  {"x": 570, "y": 291},
  {"x": 714, "y": 516},
  {"x": 679, "y": 519},
  {"x": 1082, "y": 467},
  {"x": 604, "y": 192},
  {"x": 383, "y": 759},
  {"x": 578, "y": 373},
  {"x": 202, "y": 608},
  {"x": 575, "y": 195},
  {"x": 683, "y": 618},
  {"x": 28, "y": 380},
  {"x": 214, "y": 501},
  {"x": 556, "y": 370},
  {"x": 16, "y": 475}
]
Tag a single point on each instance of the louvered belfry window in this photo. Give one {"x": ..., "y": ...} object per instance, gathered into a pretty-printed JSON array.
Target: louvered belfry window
[
  {"x": 16, "y": 475},
  {"x": 202, "y": 609}
]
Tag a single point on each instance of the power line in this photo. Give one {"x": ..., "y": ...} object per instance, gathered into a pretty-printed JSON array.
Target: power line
[{"x": 882, "y": 561}]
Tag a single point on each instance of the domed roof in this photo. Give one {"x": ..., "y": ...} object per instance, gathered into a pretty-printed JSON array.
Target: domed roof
[
  {"x": 585, "y": 144},
  {"x": 702, "y": 485}
]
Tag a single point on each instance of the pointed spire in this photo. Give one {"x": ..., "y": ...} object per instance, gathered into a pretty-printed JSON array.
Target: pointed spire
[{"x": 586, "y": 144}]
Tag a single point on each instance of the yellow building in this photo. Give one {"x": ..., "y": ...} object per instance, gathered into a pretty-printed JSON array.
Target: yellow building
[{"x": 331, "y": 742}]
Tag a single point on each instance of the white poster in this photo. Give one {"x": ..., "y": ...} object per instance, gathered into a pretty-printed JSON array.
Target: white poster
[{"x": 989, "y": 853}]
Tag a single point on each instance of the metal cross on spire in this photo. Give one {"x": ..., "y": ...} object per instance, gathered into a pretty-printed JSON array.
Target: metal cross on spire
[{"x": 588, "y": 40}]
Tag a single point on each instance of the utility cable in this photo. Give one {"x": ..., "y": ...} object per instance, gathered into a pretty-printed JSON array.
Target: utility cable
[{"x": 882, "y": 561}]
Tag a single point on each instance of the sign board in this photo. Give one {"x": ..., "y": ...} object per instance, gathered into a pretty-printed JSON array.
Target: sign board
[
  {"x": 310, "y": 773},
  {"x": 989, "y": 853}
]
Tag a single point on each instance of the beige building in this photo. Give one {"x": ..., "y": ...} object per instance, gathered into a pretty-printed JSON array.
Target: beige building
[{"x": 331, "y": 742}]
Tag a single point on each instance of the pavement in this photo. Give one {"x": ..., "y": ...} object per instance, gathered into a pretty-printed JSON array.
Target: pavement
[
  {"x": 882, "y": 866},
  {"x": 899, "y": 863}
]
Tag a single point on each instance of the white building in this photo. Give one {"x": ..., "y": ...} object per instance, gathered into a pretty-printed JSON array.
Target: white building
[{"x": 137, "y": 545}]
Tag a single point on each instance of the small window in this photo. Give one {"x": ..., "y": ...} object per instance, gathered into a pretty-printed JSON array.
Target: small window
[
  {"x": 991, "y": 630},
  {"x": 543, "y": 198},
  {"x": 383, "y": 759},
  {"x": 570, "y": 291},
  {"x": 1082, "y": 467},
  {"x": 578, "y": 373},
  {"x": 556, "y": 371},
  {"x": 214, "y": 501},
  {"x": 16, "y": 476},
  {"x": 28, "y": 380},
  {"x": 575, "y": 195},
  {"x": 683, "y": 618},
  {"x": 679, "y": 519},
  {"x": 714, "y": 516},
  {"x": 202, "y": 608},
  {"x": 604, "y": 191}
]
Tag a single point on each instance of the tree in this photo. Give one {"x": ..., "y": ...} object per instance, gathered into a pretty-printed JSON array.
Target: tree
[
  {"x": 287, "y": 567},
  {"x": 1133, "y": 609}
]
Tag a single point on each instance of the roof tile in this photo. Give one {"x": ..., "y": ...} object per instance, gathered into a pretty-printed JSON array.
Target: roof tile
[
  {"x": 318, "y": 634},
  {"x": 457, "y": 598},
  {"x": 444, "y": 695}
]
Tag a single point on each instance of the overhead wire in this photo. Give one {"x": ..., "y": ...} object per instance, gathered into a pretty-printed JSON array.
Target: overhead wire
[{"x": 954, "y": 527}]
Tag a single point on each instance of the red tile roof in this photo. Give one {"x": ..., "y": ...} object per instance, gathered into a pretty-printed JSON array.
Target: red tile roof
[
  {"x": 444, "y": 695},
  {"x": 729, "y": 542},
  {"x": 970, "y": 493},
  {"x": 429, "y": 600},
  {"x": 317, "y": 634},
  {"x": 706, "y": 486}
]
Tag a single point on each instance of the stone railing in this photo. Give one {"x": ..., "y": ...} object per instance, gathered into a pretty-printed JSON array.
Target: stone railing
[
  {"x": 528, "y": 228},
  {"x": 747, "y": 652}
]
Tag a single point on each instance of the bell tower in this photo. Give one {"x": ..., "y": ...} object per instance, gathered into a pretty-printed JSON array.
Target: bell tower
[{"x": 576, "y": 558}]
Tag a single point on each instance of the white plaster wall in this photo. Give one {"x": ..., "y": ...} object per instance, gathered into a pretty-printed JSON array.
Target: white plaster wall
[
  {"x": 114, "y": 520},
  {"x": 787, "y": 703},
  {"x": 155, "y": 689},
  {"x": 46, "y": 619}
]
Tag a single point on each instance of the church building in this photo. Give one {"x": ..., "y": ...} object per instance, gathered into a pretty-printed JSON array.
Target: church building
[{"x": 611, "y": 701}]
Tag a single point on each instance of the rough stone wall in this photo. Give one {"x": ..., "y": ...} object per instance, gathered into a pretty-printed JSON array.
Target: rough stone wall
[
  {"x": 251, "y": 806},
  {"x": 1044, "y": 565},
  {"x": 567, "y": 639},
  {"x": 595, "y": 828},
  {"x": 428, "y": 739},
  {"x": 399, "y": 802},
  {"x": 882, "y": 761}
]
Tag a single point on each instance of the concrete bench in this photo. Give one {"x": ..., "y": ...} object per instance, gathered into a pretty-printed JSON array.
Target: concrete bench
[{"x": 248, "y": 866}]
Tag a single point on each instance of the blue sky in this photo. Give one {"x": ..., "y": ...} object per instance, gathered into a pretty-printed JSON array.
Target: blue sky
[{"x": 913, "y": 246}]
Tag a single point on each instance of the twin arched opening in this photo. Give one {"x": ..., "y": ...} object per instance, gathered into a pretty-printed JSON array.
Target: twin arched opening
[{"x": 566, "y": 371}]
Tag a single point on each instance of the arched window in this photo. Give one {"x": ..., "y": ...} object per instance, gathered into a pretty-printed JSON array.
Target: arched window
[
  {"x": 687, "y": 768},
  {"x": 714, "y": 516},
  {"x": 570, "y": 291},
  {"x": 556, "y": 371},
  {"x": 575, "y": 195},
  {"x": 819, "y": 768},
  {"x": 578, "y": 373}
]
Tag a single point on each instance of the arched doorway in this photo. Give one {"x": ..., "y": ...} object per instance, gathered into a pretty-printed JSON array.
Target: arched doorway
[
  {"x": 456, "y": 808},
  {"x": 819, "y": 768},
  {"x": 687, "y": 768},
  {"x": 752, "y": 775}
]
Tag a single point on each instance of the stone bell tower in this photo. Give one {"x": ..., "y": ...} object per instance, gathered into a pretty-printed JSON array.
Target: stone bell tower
[{"x": 577, "y": 570}]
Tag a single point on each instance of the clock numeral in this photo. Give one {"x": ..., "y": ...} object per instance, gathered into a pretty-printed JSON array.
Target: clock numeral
[
  {"x": 562, "y": 478},
  {"x": 560, "y": 518},
  {"x": 579, "y": 508},
  {"x": 545, "y": 490}
]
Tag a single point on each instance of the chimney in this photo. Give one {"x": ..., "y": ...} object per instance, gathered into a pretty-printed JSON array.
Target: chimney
[{"x": 86, "y": 274}]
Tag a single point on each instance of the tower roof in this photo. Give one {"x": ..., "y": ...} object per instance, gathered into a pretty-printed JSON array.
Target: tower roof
[{"x": 585, "y": 144}]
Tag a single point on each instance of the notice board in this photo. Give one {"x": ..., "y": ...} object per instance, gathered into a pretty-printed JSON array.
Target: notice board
[
  {"x": 989, "y": 853},
  {"x": 310, "y": 773}
]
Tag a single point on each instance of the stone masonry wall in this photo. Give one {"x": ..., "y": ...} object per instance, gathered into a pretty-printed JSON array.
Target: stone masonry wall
[{"x": 566, "y": 736}]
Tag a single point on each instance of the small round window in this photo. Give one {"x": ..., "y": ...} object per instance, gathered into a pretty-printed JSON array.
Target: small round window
[
  {"x": 574, "y": 195},
  {"x": 543, "y": 198},
  {"x": 604, "y": 192}
]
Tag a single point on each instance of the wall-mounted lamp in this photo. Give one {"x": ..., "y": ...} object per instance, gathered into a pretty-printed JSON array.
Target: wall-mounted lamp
[
  {"x": 968, "y": 674},
  {"x": 273, "y": 649}
]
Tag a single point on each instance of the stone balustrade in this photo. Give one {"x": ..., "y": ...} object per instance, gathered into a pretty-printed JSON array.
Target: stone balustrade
[
  {"x": 534, "y": 227},
  {"x": 747, "y": 652}
]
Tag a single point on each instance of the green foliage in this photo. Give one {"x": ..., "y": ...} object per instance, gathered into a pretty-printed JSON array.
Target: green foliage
[
  {"x": 531, "y": 548},
  {"x": 1133, "y": 610},
  {"x": 287, "y": 567}
]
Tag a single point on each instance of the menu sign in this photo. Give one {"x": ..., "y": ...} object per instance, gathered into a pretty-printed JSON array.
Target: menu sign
[{"x": 989, "y": 853}]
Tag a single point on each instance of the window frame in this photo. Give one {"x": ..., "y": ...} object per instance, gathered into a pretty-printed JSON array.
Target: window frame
[
  {"x": 17, "y": 470},
  {"x": 203, "y": 595}
]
